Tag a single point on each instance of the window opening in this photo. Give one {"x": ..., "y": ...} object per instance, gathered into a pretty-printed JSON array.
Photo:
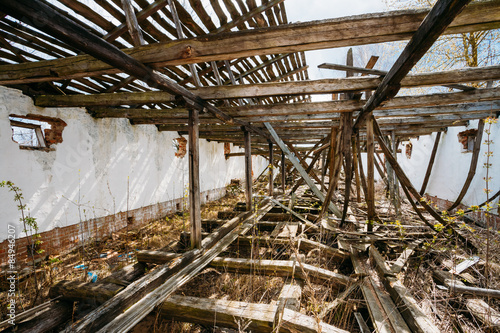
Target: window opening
[
  {"x": 36, "y": 132},
  {"x": 467, "y": 139},
  {"x": 28, "y": 132}
]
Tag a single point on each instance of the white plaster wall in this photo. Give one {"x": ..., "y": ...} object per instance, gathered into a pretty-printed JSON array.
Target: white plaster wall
[
  {"x": 452, "y": 166},
  {"x": 103, "y": 166}
]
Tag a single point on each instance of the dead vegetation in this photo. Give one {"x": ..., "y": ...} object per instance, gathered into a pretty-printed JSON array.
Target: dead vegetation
[{"x": 429, "y": 252}]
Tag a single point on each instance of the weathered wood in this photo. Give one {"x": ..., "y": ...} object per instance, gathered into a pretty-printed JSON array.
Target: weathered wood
[
  {"x": 351, "y": 31},
  {"x": 57, "y": 25},
  {"x": 370, "y": 161},
  {"x": 477, "y": 307},
  {"x": 232, "y": 314},
  {"x": 155, "y": 257},
  {"x": 135, "y": 313},
  {"x": 290, "y": 296},
  {"x": 473, "y": 165},
  {"x": 361, "y": 322},
  {"x": 271, "y": 169},
  {"x": 248, "y": 170},
  {"x": 285, "y": 268},
  {"x": 371, "y": 71},
  {"x": 335, "y": 157},
  {"x": 399, "y": 107},
  {"x": 301, "y": 170},
  {"x": 413, "y": 315},
  {"x": 485, "y": 313},
  {"x": 194, "y": 179},
  {"x": 132, "y": 24},
  {"x": 405, "y": 255},
  {"x": 434, "y": 24},
  {"x": 275, "y": 89},
  {"x": 379, "y": 310},
  {"x": 346, "y": 126}
]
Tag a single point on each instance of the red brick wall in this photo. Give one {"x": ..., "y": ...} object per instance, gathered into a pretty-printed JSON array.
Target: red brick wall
[
  {"x": 478, "y": 216},
  {"x": 63, "y": 239}
]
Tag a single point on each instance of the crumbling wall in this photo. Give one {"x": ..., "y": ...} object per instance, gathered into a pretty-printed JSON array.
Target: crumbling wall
[
  {"x": 100, "y": 168},
  {"x": 452, "y": 165}
]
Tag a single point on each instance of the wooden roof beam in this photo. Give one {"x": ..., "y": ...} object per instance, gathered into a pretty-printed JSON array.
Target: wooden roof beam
[
  {"x": 400, "y": 106},
  {"x": 323, "y": 86},
  {"x": 58, "y": 25},
  {"x": 434, "y": 24},
  {"x": 381, "y": 73},
  {"x": 350, "y": 31}
]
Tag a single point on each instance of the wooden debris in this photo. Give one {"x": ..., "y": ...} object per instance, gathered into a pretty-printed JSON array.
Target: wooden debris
[
  {"x": 281, "y": 268},
  {"x": 413, "y": 315},
  {"x": 232, "y": 314}
]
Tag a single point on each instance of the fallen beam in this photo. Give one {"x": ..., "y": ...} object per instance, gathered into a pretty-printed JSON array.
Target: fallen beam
[
  {"x": 416, "y": 319},
  {"x": 286, "y": 268},
  {"x": 232, "y": 314},
  {"x": 134, "y": 314}
]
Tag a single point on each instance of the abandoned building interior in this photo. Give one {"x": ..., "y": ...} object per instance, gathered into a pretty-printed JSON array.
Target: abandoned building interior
[{"x": 173, "y": 166}]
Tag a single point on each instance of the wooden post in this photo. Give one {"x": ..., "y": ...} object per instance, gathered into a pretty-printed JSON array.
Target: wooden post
[
  {"x": 356, "y": 169},
  {"x": 360, "y": 165},
  {"x": 370, "y": 194},
  {"x": 283, "y": 172},
  {"x": 194, "y": 179},
  {"x": 346, "y": 148},
  {"x": 271, "y": 169},
  {"x": 396, "y": 183},
  {"x": 248, "y": 169},
  {"x": 431, "y": 163},
  {"x": 323, "y": 170}
]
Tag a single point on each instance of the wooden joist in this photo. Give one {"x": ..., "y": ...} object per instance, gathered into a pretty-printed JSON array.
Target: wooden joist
[
  {"x": 286, "y": 268},
  {"x": 434, "y": 24},
  {"x": 321, "y": 86},
  {"x": 351, "y": 31},
  {"x": 260, "y": 317},
  {"x": 407, "y": 305},
  {"x": 135, "y": 313},
  {"x": 383, "y": 312}
]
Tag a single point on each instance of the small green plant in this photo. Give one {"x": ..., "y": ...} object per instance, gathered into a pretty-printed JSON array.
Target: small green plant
[{"x": 30, "y": 228}]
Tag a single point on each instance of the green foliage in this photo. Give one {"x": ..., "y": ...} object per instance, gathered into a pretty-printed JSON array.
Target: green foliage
[{"x": 29, "y": 223}]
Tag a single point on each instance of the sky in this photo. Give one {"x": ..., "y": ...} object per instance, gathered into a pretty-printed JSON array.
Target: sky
[{"x": 310, "y": 10}]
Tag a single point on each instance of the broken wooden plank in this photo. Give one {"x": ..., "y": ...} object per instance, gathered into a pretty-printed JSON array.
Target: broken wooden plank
[
  {"x": 260, "y": 317},
  {"x": 403, "y": 258},
  {"x": 416, "y": 319},
  {"x": 135, "y": 313},
  {"x": 377, "y": 313},
  {"x": 361, "y": 322},
  {"x": 281, "y": 268},
  {"x": 301, "y": 170}
]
